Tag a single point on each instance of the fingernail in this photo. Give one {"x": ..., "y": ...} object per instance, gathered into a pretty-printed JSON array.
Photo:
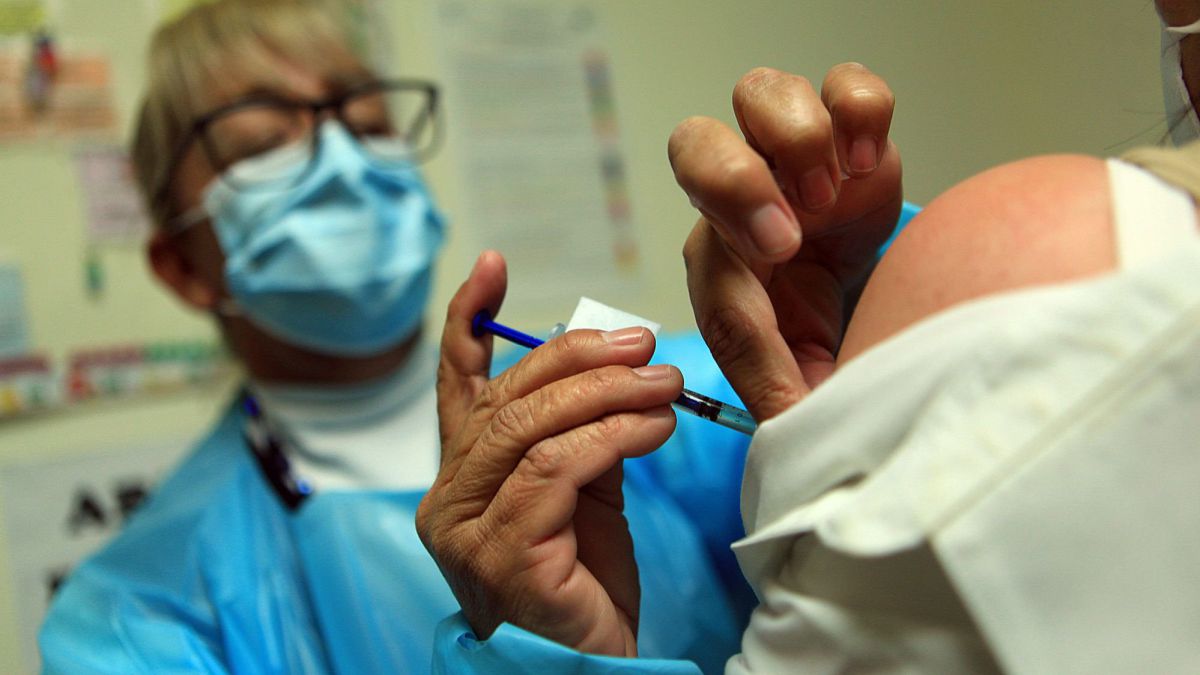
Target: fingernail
[
  {"x": 864, "y": 155},
  {"x": 772, "y": 231},
  {"x": 660, "y": 372},
  {"x": 816, "y": 189},
  {"x": 625, "y": 336}
]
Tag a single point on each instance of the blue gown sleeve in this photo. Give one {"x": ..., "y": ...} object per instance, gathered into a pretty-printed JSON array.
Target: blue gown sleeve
[
  {"x": 513, "y": 651},
  {"x": 94, "y": 631},
  {"x": 907, "y": 211}
]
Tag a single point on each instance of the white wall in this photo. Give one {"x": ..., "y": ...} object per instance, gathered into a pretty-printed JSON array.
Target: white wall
[{"x": 977, "y": 84}]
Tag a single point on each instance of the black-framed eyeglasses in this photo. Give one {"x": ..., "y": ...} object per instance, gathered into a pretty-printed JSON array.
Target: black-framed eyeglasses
[{"x": 265, "y": 140}]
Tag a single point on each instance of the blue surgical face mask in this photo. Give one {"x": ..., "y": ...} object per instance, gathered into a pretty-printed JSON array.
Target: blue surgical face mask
[
  {"x": 339, "y": 263},
  {"x": 1181, "y": 113}
]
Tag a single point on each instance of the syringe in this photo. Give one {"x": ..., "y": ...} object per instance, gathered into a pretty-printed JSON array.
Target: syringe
[{"x": 689, "y": 401}]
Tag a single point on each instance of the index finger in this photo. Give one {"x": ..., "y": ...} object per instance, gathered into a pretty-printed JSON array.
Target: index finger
[{"x": 734, "y": 188}]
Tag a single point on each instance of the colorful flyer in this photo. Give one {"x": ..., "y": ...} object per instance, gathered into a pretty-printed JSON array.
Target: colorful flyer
[
  {"x": 531, "y": 109},
  {"x": 45, "y": 94}
]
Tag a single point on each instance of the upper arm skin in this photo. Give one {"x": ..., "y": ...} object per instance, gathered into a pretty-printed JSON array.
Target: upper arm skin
[{"x": 1035, "y": 221}]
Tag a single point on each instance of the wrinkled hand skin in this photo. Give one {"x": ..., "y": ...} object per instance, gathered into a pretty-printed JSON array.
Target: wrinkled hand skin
[
  {"x": 793, "y": 210},
  {"x": 525, "y": 517}
]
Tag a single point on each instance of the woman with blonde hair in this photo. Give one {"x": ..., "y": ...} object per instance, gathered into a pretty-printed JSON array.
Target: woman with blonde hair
[{"x": 282, "y": 175}]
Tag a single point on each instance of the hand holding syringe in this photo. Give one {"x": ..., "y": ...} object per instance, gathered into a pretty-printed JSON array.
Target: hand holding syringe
[{"x": 689, "y": 401}]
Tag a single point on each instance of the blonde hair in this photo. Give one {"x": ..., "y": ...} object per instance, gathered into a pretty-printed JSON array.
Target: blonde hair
[{"x": 194, "y": 59}]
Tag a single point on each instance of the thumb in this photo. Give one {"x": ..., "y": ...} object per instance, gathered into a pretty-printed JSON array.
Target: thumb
[{"x": 466, "y": 359}]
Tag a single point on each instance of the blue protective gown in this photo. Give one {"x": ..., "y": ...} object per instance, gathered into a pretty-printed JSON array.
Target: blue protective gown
[{"x": 213, "y": 574}]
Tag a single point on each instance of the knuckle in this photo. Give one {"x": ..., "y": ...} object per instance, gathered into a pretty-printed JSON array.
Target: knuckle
[
  {"x": 774, "y": 395},
  {"x": 492, "y": 396},
  {"x": 609, "y": 427},
  {"x": 854, "y": 87},
  {"x": 543, "y": 459},
  {"x": 599, "y": 379},
  {"x": 572, "y": 341},
  {"x": 727, "y": 174},
  {"x": 439, "y": 546},
  {"x": 756, "y": 80},
  {"x": 750, "y": 81},
  {"x": 725, "y": 331},
  {"x": 512, "y": 421},
  {"x": 843, "y": 73},
  {"x": 813, "y": 129},
  {"x": 503, "y": 511},
  {"x": 438, "y": 542},
  {"x": 869, "y": 98},
  {"x": 737, "y": 170},
  {"x": 780, "y": 397},
  {"x": 479, "y": 567},
  {"x": 424, "y": 521}
]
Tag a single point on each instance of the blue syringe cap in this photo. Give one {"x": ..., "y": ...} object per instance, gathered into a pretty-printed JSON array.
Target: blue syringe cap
[{"x": 479, "y": 323}]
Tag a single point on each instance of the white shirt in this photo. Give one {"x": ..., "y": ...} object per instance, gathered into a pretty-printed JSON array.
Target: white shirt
[
  {"x": 379, "y": 435},
  {"x": 1011, "y": 484}
]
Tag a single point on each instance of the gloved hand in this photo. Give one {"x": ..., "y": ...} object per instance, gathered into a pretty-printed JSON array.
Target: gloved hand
[
  {"x": 525, "y": 516},
  {"x": 793, "y": 213}
]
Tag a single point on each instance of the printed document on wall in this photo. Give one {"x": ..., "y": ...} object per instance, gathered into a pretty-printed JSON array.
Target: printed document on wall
[
  {"x": 112, "y": 204},
  {"x": 532, "y": 128}
]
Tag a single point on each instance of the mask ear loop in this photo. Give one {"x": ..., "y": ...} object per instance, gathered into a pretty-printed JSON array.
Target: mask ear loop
[
  {"x": 226, "y": 307},
  {"x": 1190, "y": 29},
  {"x": 190, "y": 218}
]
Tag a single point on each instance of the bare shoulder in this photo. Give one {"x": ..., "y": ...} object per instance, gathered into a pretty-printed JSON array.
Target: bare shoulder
[{"x": 1036, "y": 221}]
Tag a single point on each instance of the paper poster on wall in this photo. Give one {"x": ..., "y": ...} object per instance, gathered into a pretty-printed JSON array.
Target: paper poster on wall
[
  {"x": 66, "y": 95},
  {"x": 113, "y": 206},
  {"x": 530, "y": 113},
  {"x": 14, "y": 328},
  {"x": 57, "y": 512}
]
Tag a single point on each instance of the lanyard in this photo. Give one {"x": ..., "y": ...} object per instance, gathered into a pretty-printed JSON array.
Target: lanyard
[{"x": 268, "y": 452}]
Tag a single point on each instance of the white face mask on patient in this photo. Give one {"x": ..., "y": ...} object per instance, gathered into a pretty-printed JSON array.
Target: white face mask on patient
[{"x": 1181, "y": 114}]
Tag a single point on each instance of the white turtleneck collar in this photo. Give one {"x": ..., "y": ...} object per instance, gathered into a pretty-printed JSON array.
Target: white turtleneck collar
[{"x": 381, "y": 434}]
